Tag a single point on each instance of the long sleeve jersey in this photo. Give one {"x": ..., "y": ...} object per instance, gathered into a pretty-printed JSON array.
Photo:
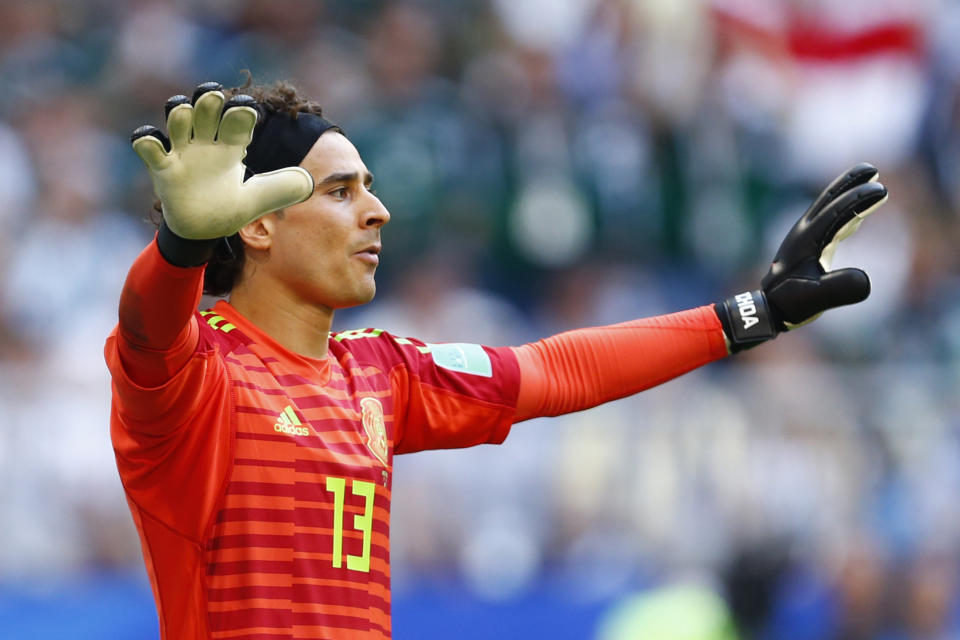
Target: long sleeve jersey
[{"x": 260, "y": 480}]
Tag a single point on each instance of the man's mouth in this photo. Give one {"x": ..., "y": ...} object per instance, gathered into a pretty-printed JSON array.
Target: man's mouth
[{"x": 370, "y": 254}]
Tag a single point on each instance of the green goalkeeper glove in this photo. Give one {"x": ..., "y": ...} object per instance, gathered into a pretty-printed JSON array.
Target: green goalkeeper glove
[
  {"x": 199, "y": 173},
  {"x": 799, "y": 285}
]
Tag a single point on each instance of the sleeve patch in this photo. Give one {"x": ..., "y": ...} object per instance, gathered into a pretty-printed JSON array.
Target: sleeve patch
[{"x": 462, "y": 358}]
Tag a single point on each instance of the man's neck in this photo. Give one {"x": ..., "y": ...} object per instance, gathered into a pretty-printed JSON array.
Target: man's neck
[{"x": 302, "y": 328}]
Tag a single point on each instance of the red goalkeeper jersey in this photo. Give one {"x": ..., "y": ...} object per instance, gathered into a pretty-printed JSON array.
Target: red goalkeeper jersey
[{"x": 259, "y": 480}]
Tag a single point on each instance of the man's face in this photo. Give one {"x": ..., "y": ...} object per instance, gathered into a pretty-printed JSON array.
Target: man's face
[{"x": 325, "y": 250}]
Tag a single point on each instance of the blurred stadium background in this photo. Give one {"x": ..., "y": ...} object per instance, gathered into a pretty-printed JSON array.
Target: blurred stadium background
[{"x": 549, "y": 164}]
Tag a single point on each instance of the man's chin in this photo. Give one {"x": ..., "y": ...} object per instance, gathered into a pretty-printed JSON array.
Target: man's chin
[{"x": 362, "y": 297}]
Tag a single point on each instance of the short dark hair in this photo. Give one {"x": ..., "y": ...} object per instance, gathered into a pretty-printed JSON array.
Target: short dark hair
[{"x": 226, "y": 264}]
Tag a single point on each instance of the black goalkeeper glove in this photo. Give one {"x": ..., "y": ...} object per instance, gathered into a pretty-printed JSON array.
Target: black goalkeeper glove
[{"x": 799, "y": 285}]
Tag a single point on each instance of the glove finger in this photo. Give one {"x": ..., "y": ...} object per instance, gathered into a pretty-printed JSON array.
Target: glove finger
[
  {"x": 857, "y": 202},
  {"x": 150, "y": 149},
  {"x": 874, "y": 203},
  {"x": 802, "y": 300},
  {"x": 206, "y": 115},
  {"x": 854, "y": 176},
  {"x": 843, "y": 287},
  {"x": 238, "y": 122},
  {"x": 204, "y": 88},
  {"x": 172, "y": 102},
  {"x": 241, "y": 100},
  {"x": 150, "y": 130},
  {"x": 274, "y": 190},
  {"x": 845, "y": 231},
  {"x": 180, "y": 124}
]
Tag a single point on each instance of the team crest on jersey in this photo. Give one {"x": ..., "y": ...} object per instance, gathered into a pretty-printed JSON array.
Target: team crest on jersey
[{"x": 376, "y": 430}]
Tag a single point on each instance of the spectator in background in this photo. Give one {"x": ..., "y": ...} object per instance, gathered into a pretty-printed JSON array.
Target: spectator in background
[
  {"x": 59, "y": 264},
  {"x": 16, "y": 197},
  {"x": 66, "y": 234}
]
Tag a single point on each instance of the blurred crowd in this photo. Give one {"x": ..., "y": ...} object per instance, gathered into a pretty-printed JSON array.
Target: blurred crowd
[{"x": 548, "y": 165}]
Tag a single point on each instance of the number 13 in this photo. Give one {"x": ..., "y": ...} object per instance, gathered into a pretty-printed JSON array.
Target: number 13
[{"x": 364, "y": 523}]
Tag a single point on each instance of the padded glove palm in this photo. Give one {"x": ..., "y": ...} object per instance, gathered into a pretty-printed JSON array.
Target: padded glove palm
[{"x": 199, "y": 174}]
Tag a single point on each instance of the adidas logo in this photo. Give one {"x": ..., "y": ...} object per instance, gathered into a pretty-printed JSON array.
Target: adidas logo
[{"x": 288, "y": 422}]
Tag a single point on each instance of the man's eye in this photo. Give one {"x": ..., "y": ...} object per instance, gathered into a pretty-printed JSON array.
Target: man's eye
[
  {"x": 339, "y": 192},
  {"x": 372, "y": 191}
]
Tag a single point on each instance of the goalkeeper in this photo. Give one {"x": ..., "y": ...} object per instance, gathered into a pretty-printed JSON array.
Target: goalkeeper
[{"x": 255, "y": 445}]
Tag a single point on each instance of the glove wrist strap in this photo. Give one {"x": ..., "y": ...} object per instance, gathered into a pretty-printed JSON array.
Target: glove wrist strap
[
  {"x": 746, "y": 319},
  {"x": 182, "y": 252}
]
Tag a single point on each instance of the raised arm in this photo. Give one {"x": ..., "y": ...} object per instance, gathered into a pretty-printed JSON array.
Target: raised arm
[
  {"x": 199, "y": 176},
  {"x": 158, "y": 331}
]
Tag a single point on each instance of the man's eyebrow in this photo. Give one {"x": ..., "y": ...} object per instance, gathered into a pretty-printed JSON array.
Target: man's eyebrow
[{"x": 348, "y": 176}]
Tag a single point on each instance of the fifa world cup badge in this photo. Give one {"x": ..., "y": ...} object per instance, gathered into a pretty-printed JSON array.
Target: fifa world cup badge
[{"x": 372, "y": 417}]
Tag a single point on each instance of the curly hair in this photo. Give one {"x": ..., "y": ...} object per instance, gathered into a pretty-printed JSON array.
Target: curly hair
[{"x": 226, "y": 264}]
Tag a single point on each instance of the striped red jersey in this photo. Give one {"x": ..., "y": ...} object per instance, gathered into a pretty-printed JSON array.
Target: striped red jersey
[{"x": 259, "y": 480}]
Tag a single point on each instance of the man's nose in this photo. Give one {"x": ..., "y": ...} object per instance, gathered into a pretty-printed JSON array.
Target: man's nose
[{"x": 377, "y": 215}]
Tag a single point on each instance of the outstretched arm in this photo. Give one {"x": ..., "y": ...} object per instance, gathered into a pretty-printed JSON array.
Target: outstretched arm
[
  {"x": 580, "y": 369},
  {"x": 583, "y": 368}
]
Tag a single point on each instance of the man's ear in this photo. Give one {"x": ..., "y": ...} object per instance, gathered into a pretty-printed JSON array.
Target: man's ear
[{"x": 258, "y": 235}]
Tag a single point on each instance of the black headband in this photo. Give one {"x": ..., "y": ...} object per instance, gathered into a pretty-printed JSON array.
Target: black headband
[{"x": 282, "y": 141}]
